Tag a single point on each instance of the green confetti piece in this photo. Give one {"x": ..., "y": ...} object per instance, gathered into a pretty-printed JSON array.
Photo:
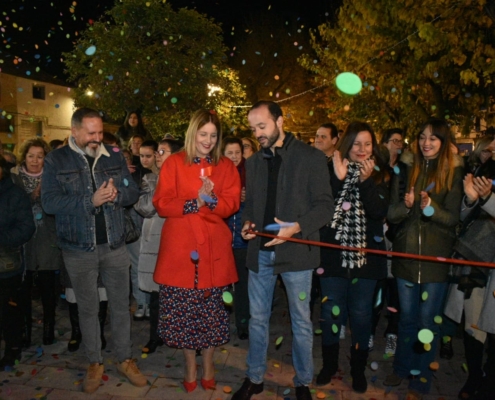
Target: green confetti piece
[
  {"x": 438, "y": 319},
  {"x": 335, "y": 310},
  {"x": 354, "y": 281},
  {"x": 335, "y": 328},
  {"x": 302, "y": 296},
  {"x": 279, "y": 340},
  {"x": 424, "y": 296},
  {"x": 318, "y": 332},
  {"x": 425, "y": 336},
  {"x": 227, "y": 297}
]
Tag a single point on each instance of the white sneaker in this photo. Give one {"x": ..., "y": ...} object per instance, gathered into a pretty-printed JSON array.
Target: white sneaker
[
  {"x": 146, "y": 311},
  {"x": 139, "y": 313},
  {"x": 391, "y": 344},
  {"x": 342, "y": 332},
  {"x": 371, "y": 343}
]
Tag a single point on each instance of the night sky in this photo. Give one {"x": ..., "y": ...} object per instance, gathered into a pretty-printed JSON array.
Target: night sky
[{"x": 36, "y": 32}]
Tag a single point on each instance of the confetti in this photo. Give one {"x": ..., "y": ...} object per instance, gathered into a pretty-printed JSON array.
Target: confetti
[
  {"x": 374, "y": 365},
  {"x": 320, "y": 271},
  {"x": 318, "y": 332},
  {"x": 396, "y": 170},
  {"x": 349, "y": 83},
  {"x": 335, "y": 310},
  {"x": 346, "y": 206},
  {"x": 434, "y": 366},
  {"x": 227, "y": 389},
  {"x": 90, "y": 50},
  {"x": 425, "y": 336},
  {"x": 302, "y": 296},
  {"x": 279, "y": 340},
  {"x": 335, "y": 328},
  {"x": 429, "y": 187},
  {"x": 126, "y": 182},
  {"x": 227, "y": 297},
  {"x": 424, "y": 296},
  {"x": 428, "y": 211},
  {"x": 438, "y": 319},
  {"x": 415, "y": 372}
]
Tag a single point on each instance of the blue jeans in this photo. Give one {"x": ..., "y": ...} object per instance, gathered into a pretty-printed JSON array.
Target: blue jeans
[
  {"x": 83, "y": 268},
  {"x": 354, "y": 300},
  {"x": 417, "y": 314},
  {"x": 260, "y": 287}
]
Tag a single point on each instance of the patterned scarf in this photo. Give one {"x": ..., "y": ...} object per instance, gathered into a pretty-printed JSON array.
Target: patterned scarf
[
  {"x": 349, "y": 219},
  {"x": 31, "y": 182}
]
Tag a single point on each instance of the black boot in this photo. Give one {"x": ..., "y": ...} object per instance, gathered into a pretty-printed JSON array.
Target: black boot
[
  {"x": 76, "y": 336},
  {"x": 102, "y": 317},
  {"x": 10, "y": 356},
  {"x": 474, "y": 359},
  {"x": 48, "y": 332},
  {"x": 26, "y": 332},
  {"x": 487, "y": 388},
  {"x": 358, "y": 365},
  {"x": 330, "y": 363}
]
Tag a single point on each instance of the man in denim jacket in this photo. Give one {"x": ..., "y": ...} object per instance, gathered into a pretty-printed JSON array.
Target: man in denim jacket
[{"x": 86, "y": 185}]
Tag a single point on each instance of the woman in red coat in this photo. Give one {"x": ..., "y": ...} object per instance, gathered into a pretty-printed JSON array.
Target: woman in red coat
[{"x": 196, "y": 191}]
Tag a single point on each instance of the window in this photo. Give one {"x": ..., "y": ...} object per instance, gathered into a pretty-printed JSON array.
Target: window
[{"x": 38, "y": 92}]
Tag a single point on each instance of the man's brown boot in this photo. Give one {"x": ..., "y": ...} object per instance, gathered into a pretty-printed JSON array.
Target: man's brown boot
[
  {"x": 130, "y": 370},
  {"x": 92, "y": 379}
]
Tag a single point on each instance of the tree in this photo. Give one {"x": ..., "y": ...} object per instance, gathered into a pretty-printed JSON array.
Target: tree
[
  {"x": 416, "y": 59},
  {"x": 144, "y": 55}
]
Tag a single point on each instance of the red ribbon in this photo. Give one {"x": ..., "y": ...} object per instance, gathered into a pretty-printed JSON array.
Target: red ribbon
[{"x": 382, "y": 252}]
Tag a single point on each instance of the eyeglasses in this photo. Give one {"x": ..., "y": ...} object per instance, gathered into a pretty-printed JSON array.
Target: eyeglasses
[
  {"x": 162, "y": 152},
  {"x": 396, "y": 141},
  {"x": 246, "y": 146}
]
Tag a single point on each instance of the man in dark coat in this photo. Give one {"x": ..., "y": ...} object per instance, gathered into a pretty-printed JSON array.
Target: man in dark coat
[{"x": 287, "y": 183}]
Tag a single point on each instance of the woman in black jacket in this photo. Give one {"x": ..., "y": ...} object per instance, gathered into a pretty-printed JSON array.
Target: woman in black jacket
[
  {"x": 348, "y": 278},
  {"x": 426, "y": 219},
  {"x": 16, "y": 228}
]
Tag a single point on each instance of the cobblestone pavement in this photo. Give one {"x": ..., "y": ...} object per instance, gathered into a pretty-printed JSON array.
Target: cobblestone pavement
[{"x": 51, "y": 372}]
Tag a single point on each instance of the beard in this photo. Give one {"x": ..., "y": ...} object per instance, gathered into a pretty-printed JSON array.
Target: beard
[
  {"x": 92, "y": 152},
  {"x": 271, "y": 139}
]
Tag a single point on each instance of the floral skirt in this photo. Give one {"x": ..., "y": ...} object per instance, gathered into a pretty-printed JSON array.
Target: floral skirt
[{"x": 193, "y": 318}]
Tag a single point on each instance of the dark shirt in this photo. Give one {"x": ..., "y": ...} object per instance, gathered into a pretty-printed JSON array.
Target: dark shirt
[
  {"x": 100, "y": 224},
  {"x": 273, "y": 163}
]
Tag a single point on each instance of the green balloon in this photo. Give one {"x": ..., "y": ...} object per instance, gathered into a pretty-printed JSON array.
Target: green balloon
[{"x": 349, "y": 83}]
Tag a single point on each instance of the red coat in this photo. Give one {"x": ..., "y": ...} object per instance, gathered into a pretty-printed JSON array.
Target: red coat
[{"x": 205, "y": 231}]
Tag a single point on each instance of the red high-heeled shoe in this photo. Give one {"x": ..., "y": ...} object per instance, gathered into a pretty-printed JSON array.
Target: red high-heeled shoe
[
  {"x": 208, "y": 384},
  {"x": 190, "y": 386}
]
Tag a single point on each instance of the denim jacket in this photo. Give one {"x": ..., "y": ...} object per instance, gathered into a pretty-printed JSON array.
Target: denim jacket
[{"x": 67, "y": 190}]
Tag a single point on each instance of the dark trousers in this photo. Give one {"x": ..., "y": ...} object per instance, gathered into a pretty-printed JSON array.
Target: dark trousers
[
  {"x": 386, "y": 292},
  {"x": 47, "y": 281},
  {"x": 11, "y": 318},
  {"x": 241, "y": 296}
]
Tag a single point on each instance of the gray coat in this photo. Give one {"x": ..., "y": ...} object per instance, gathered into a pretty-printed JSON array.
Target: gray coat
[
  {"x": 303, "y": 196},
  {"x": 455, "y": 298},
  {"x": 150, "y": 234},
  {"x": 42, "y": 252}
]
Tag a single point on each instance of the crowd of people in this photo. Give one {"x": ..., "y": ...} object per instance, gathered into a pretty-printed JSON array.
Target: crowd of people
[{"x": 182, "y": 224}]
